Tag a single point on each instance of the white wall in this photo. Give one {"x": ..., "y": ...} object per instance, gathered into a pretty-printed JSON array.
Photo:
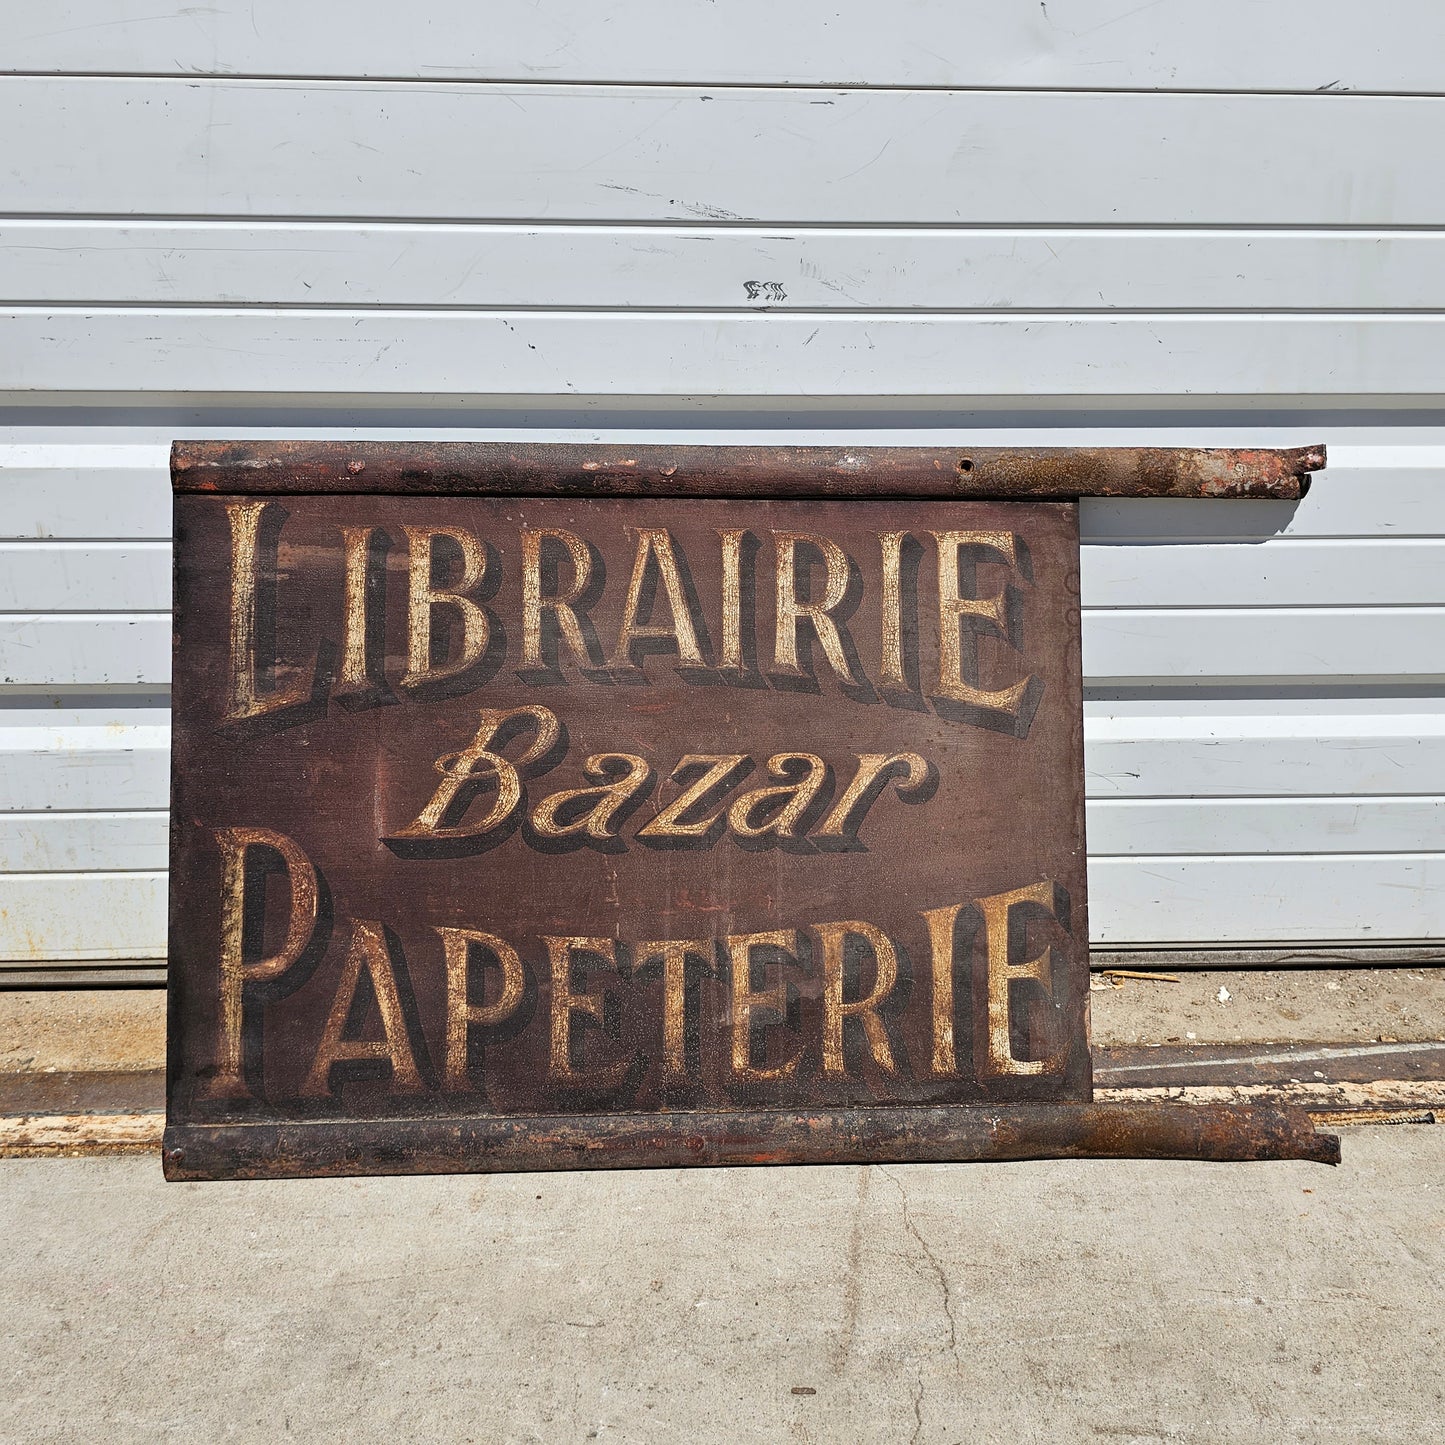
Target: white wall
[{"x": 1084, "y": 222}]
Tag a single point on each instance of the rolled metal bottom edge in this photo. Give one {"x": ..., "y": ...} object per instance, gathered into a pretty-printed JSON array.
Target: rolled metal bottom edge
[{"x": 943, "y": 1134}]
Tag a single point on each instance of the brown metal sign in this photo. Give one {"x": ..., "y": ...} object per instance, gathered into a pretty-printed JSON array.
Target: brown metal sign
[{"x": 541, "y": 830}]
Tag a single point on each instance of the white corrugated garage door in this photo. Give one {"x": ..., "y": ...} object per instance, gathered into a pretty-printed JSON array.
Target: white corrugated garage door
[{"x": 1080, "y": 223}]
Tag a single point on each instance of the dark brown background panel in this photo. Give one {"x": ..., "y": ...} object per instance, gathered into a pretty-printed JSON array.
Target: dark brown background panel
[{"x": 342, "y": 774}]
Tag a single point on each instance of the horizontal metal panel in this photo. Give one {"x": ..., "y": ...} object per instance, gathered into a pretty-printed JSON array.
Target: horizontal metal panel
[
  {"x": 84, "y": 576},
  {"x": 83, "y": 842},
  {"x": 85, "y": 650},
  {"x": 526, "y": 152},
  {"x": 714, "y": 267},
  {"x": 1207, "y": 751},
  {"x": 59, "y": 916},
  {"x": 676, "y": 354},
  {"x": 65, "y": 435},
  {"x": 92, "y": 492},
  {"x": 1304, "y": 45},
  {"x": 1138, "y": 645},
  {"x": 1280, "y": 572},
  {"x": 1123, "y": 827},
  {"x": 1267, "y": 899},
  {"x": 1248, "y": 644},
  {"x": 111, "y": 765}
]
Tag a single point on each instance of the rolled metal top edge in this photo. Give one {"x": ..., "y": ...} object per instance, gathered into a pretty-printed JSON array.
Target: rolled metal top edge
[{"x": 741, "y": 471}]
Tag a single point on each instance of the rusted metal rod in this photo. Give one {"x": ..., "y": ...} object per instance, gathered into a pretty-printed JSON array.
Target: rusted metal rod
[
  {"x": 958, "y": 1134},
  {"x": 856, "y": 472}
]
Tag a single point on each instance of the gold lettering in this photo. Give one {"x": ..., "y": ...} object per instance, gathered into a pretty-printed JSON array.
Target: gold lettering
[
  {"x": 720, "y": 770},
  {"x": 833, "y": 937},
  {"x": 242, "y": 699},
  {"x": 795, "y": 797},
  {"x": 236, "y": 973},
  {"x": 655, "y": 544},
  {"x": 953, "y": 607},
  {"x": 563, "y": 605},
  {"x": 566, "y": 1003},
  {"x": 746, "y": 1001},
  {"x": 999, "y": 1060},
  {"x": 942, "y": 927},
  {"x": 423, "y": 597},
  {"x": 608, "y": 799},
  {"x": 846, "y": 817},
  {"x": 457, "y": 943},
  {"x": 732, "y": 599},
  {"x": 891, "y": 671},
  {"x": 791, "y": 612},
  {"x": 674, "y": 953},
  {"x": 477, "y": 764},
  {"x": 368, "y": 950}
]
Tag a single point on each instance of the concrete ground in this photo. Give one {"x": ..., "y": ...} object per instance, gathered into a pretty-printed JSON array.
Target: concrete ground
[
  {"x": 1030, "y": 1302},
  {"x": 1338, "y": 1005},
  {"x": 1053, "y": 1301}
]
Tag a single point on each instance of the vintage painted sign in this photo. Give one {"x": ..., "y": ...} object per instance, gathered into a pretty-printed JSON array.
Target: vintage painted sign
[{"x": 534, "y": 830}]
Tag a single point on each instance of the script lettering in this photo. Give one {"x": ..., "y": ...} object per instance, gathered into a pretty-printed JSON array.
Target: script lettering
[{"x": 464, "y": 773}]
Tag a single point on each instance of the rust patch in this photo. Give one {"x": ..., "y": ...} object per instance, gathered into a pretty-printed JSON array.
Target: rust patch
[
  {"x": 857, "y": 1136},
  {"x": 922, "y": 473}
]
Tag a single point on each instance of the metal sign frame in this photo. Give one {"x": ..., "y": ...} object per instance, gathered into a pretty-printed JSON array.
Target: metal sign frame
[{"x": 543, "y": 807}]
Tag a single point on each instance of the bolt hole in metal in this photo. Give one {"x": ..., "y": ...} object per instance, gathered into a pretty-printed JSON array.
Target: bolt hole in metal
[{"x": 965, "y": 464}]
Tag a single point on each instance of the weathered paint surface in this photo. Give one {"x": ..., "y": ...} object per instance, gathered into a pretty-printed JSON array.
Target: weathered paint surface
[{"x": 579, "y": 806}]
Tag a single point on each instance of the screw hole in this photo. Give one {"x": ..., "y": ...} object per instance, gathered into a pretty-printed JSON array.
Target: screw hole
[{"x": 965, "y": 464}]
